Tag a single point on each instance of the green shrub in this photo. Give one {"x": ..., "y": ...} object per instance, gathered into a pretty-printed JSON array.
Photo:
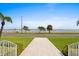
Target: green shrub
[{"x": 65, "y": 50}]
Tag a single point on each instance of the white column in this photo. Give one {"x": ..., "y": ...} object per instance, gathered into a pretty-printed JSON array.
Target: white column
[
  {"x": 8, "y": 48},
  {"x": 15, "y": 50},
  {"x": 2, "y": 48},
  {"x": 78, "y": 50},
  {"x": 69, "y": 50}
]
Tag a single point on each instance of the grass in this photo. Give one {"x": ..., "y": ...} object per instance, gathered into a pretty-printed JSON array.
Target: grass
[
  {"x": 60, "y": 42},
  {"x": 22, "y": 42}
]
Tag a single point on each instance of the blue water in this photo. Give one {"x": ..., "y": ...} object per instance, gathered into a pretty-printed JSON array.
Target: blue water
[{"x": 36, "y": 30}]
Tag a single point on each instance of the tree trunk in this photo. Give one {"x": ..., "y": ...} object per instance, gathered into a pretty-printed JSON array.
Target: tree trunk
[
  {"x": 49, "y": 31},
  {"x": 2, "y": 25},
  {"x": 39, "y": 31},
  {"x": 1, "y": 31}
]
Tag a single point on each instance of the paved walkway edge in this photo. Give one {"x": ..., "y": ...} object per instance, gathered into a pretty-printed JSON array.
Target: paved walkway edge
[{"x": 41, "y": 47}]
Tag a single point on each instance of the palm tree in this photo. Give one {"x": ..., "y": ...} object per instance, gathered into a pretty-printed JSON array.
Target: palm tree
[
  {"x": 26, "y": 28},
  {"x": 41, "y": 28},
  {"x": 77, "y": 22},
  {"x": 49, "y": 28},
  {"x": 3, "y": 19}
]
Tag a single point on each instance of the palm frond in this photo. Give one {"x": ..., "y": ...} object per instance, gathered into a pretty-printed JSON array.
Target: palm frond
[
  {"x": 8, "y": 19},
  {"x": 77, "y": 23},
  {"x": 1, "y": 16}
]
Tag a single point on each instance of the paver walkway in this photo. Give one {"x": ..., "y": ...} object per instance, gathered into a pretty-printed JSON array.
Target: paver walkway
[{"x": 41, "y": 47}]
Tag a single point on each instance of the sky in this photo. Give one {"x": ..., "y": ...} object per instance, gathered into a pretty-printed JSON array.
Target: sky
[{"x": 59, "y": 15}]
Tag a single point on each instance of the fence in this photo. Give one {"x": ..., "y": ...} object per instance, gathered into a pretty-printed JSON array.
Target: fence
[
  {"x": 8, "y": 48},
  {"x": 73, "y": 49}
]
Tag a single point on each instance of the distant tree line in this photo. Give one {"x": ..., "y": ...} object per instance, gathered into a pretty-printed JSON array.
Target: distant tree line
[{"x": 40, "y": 28}]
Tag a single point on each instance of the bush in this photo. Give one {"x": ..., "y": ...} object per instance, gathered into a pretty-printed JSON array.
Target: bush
[{"x": 65, "y": 50}]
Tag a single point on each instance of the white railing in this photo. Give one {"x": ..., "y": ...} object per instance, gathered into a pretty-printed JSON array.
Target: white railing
[
  {"x": 73, "y": 49},
  {"x": 8, "y": 48}
]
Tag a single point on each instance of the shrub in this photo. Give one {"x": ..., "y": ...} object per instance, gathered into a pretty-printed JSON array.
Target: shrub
[{"x": 65, "y": 50}]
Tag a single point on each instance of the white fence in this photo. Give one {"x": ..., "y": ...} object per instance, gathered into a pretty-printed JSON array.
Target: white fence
[
  {"x": 73, "y": 49},
  {"x": 8, "y": 48}
]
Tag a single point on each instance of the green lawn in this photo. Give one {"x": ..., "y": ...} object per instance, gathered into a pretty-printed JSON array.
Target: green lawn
[
  {"x": 60, "y": 42},
  {"x": 22, "y": 42}
]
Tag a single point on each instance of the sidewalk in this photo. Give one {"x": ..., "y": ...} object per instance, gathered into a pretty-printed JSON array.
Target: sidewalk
[{"x": 41, "y": 47}]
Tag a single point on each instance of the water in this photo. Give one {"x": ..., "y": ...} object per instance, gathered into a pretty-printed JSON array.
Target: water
[
  {"x": 66, "y": 30},
  {"x": 36, "y": 30}
]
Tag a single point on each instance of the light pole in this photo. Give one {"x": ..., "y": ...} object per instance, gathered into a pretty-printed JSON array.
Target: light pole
[{"x": 21, "y": 23}]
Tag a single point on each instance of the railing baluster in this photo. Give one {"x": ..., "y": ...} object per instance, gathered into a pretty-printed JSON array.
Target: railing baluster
[{"x": 8, "y": 48}]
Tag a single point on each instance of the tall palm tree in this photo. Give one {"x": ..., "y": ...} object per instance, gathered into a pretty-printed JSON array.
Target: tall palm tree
[
  {"x": 3, "y": 19},
  {"x": 49, "y": 28},
  {"x": 77, "y": 22}
]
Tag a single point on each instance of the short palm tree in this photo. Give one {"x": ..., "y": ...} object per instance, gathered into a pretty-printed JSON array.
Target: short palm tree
[
  {"x": 3, "y": 19},
  {"x": 41, "y": 28},
  {"x": 26, "y": 28}
]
